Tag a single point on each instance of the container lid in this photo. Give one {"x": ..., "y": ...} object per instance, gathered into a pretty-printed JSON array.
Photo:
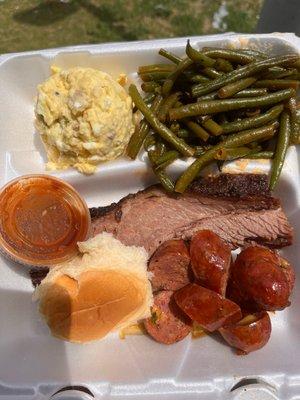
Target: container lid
[{"x": 42, "y": 218}]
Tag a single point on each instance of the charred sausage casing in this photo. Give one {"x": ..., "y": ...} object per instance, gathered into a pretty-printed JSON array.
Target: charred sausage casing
[{"x": 210, "y": 259}]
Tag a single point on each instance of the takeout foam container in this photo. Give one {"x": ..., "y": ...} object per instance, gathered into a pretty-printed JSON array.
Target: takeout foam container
[{"x": 34, "y": 365}]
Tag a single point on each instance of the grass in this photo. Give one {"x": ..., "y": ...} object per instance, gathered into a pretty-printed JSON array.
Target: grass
[{"x": 34, "y": 24}]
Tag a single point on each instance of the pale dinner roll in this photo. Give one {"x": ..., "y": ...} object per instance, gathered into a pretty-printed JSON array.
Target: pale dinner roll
[{"x": 104, "y": 290}]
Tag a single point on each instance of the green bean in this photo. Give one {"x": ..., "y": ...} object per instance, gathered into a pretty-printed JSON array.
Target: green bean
[
  {"x": 183, "y": 133},
  {"x": 167, "y": 159},
  {"x": 199, "y": 150},
  {"x": 197, "y": 129},
  {"x": 152, "y": 157},
  {"x": 169, "y": 82},
  {"x": 251, "y": 92},
  {"x": 277, "y": 84},
  {"x": 166, "y": 164},
  {"x": 141, "y": 131},
  {"x": 243, "y": 72},
  {"x": 254, "y": 53},
  {"x": 295, "y": 139},
  {"x": 161, "y": 175},
  {"x": 160, "y": 149},
  {"x": 243, "y": 93},
  {"x": 236, "y": 140},
  {"x": 216, "y": 106},
  {"x": 209, "y": 96},
  {"x": 253, "y": 150},
  {"x": 154, "y": 76},
  {"x": 149, "y": 141},
  {"x": 275, "y": 70},
  {"x": 223, "y": 65},
  {"x": 295, "y": 131},
  {"x": 149, "y": 98},
  {"x": 235, "y": 87},
  {"x": 212, "y": 73},
  {"x": 250, "y": 52},
  {"x": 170, "y": 56},
  {"x": 227, "y": 154},
  {"x": 295, "y": 76},
  {"x": 198, "y": 79},
  {"x": 253, "y": 122},
  {"x": 151, "y": 87},
  {"x": 261, "y": 155},
  {"x": 281, "y": 148},
  {"x": 167, "y": 156},
  {"x": 230, "y": 55},
  {"x": 146, "y": 69},
  {"x": 166, "y": 105},
  {"x": 165, "y": 180},
  {"x": 214, "y": 128},
  {"x": 198, "y": 57},
  {"x": 291, "y": 105},
  {"x": 278, "y": 72},
  {"x": 158, "y": 127}
]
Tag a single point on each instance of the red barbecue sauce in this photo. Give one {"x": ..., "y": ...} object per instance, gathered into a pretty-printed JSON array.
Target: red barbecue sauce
[{"x": 41, "y": 220}]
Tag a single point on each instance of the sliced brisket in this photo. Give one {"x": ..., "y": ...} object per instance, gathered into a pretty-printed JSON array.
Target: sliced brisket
[
  {"x": 232, "y": 185},
  {"x": 238, "y": 207}
]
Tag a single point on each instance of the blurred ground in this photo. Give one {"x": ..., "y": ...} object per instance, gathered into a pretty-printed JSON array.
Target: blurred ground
[{"x": 33, "y": 24}]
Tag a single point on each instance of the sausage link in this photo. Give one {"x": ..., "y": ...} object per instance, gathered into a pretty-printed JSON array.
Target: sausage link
[
  {"x": 249, "y": 334},
  {"x": 258, "y": 273},
  {"x": 170, "y": 266},
  {"x": 210, "y": 259},
  {"x": 207, "y": 308},
  {"x": 167, "y": 323}
]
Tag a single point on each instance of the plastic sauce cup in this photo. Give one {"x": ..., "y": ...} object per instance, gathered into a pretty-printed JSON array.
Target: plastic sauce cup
[{"x": 41, "y": 220}]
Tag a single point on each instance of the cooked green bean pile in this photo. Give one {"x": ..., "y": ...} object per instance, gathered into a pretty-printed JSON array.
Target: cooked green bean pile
[{"x": 216, "y": 105}]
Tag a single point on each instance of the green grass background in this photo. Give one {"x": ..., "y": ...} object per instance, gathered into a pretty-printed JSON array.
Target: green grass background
[{"x": 33, "y": 24}]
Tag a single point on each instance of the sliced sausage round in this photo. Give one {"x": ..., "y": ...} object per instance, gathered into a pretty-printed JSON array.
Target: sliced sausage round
[
  {"x": 207, "y": 308},
  {"x": 259, "y": 275},
  {"x": 235, "y": 294},
  {"x": 249, "y": 334},
  {"x": 210, "y": 259},
  {"x": 167, "y": 323},
  {"x": 170, "y": 266}
]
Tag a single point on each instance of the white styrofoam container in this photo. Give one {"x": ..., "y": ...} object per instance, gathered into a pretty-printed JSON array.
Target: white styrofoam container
[{"x": 34, "y": 365}]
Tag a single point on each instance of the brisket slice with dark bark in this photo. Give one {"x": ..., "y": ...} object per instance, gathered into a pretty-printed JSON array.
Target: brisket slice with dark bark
[{"x": 238, "y": 207}]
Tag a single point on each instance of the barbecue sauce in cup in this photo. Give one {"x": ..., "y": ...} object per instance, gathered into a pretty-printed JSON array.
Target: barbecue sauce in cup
[{"x": 41, "y": 220}]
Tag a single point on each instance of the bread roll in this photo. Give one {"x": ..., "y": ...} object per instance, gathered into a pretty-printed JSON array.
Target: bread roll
[{"x": 98, "y": 293}]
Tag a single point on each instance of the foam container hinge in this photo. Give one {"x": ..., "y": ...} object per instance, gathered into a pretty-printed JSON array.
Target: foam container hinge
[{"x": 34, "y": 365}]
